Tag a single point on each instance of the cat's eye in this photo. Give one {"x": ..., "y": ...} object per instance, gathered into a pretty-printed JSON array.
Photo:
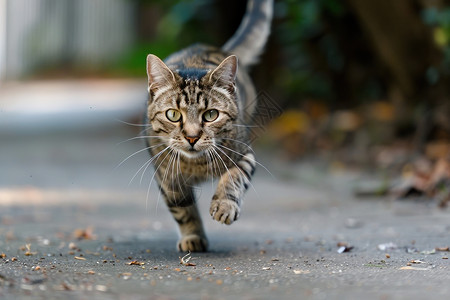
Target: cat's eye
[
  {"x": 173, "y": 115},
  {"x": 210, "y": 115}
]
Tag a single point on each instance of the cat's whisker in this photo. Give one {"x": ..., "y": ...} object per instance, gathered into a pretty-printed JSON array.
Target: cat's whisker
[
  {"x": 228, "y": 171},
  {"x": 251, "y": 159},
  {"x": 178, "y": 173},
  {"x": 209, "y": 165},
  {"x": 175, "y": 169},
  {"x": 153, "y": 177},
  {"x": 137, "y": 152},
  {"x": 246, "y": 126},
  {"x": 240, "y": 142},
  {"x": 239, "y": 169},
  {"x": 140, "y": 137},
  {"x": 131, "y": 124},
  {"x": 147, "y": 164},
  {"x": 172, "y": 151},
  {"x": 216, "y": 168}
]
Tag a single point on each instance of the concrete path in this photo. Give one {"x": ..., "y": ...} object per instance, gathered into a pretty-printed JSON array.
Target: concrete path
[{"x": 73, "y": 227}]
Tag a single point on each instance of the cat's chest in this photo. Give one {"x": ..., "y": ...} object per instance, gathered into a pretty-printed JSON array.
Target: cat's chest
[{"x": 199, "y": 168}]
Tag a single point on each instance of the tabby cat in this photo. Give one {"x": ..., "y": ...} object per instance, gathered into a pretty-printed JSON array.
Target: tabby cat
[{"x": 199, "y": 99}]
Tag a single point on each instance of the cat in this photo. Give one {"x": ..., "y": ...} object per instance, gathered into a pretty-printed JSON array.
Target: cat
[{"x": 199, "y": 99}]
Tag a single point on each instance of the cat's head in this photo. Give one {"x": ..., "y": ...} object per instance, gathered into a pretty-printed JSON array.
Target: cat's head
[{"x": 192, "y": 109}]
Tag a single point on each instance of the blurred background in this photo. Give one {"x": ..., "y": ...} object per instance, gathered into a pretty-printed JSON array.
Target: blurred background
[{"x": 360, "y": 83}]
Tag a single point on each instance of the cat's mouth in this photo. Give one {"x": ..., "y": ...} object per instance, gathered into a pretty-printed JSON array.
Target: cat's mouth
[{"x": 192, "y": 153}]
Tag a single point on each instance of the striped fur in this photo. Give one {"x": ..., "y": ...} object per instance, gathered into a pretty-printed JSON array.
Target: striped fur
[
  {"x": 199, "y": 98},
  {"x": 249, "y": 40}
]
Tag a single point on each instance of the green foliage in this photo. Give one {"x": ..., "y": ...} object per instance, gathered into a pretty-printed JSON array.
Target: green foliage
[
  {"x": 303, "y": 22},
  {"x": 177, "y": 27},
  {"x": 316, "y": 43},
  {"x": 440, "y": 21}
]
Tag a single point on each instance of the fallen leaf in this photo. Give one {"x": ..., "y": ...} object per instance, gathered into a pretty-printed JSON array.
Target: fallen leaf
[
  {"x": 417, "y": 261},
  {"x": 28, "y": 252},
  {"x": 84, "y": 234},
  {"x": 414, "y": 268},
  {"x": 442, "y": 249},
  {"x": 185, "y": 260},
  {"x": 136, "y": 263},
  {"x": 79, "y": 258}
]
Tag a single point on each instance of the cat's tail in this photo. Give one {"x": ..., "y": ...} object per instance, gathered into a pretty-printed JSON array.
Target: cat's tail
[{"x": 249, "y": 40}]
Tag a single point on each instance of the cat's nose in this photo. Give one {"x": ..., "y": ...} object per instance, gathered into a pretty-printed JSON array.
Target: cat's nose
[{"x": 192, "y": 139}]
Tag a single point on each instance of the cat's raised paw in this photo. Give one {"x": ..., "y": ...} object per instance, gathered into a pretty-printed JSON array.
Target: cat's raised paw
[
  {"x": 224, "y": 211},
  {"x": 193, "y": 243}
]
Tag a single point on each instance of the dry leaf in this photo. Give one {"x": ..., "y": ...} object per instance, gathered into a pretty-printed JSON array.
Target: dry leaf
[
  {"x": 28, "y": 252},
  {"x": 413, "y": 268},
  {"x": 442, "y": 249},
  {"x": 136, "y": 263},
  {"x": 84, "y": 234},
  {"x": 185, "y": 260},
  {"x": 417, "y": 261},
  {"x": 79, "y": 258}
]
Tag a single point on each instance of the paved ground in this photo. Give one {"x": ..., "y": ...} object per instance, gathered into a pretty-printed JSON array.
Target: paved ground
[{"x": 71, "y": 224}]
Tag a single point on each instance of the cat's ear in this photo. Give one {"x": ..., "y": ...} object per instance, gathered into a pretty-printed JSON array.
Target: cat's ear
[
  {"x": 225, "y": 74},
  {"x": 159, "y": 74}
]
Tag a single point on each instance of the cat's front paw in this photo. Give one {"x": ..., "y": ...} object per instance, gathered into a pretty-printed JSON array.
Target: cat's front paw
[
  {"x": 224, "y": 211},
  {"x": 193, "y": 243}
]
